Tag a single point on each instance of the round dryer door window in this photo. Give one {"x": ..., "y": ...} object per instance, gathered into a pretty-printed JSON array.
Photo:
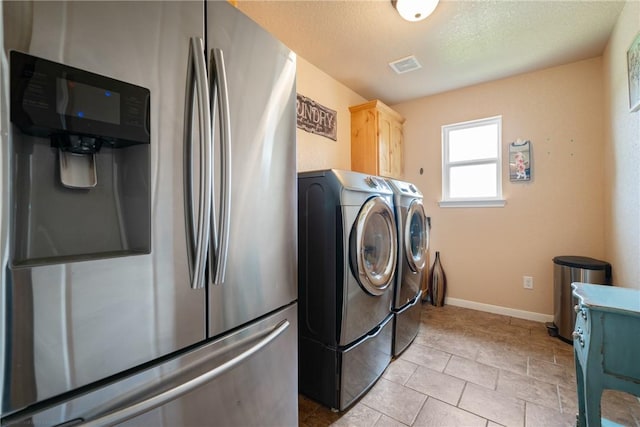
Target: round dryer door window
[
  {"x": 373, "y": 246},
  {"x": 416, "y": 236}
]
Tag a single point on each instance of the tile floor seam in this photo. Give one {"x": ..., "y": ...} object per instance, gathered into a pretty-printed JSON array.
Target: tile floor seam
[
  {"x": 415, "y": 418},
  {"x": 555, "y": 383},
  {"x": 498, "y": 379},
  {"x": 378, "y": 412},
  {"x": 464, "y": 387},
  {"x": 495, "y": 381},
  {"x": 520, "y": 398},
  {"x": 448, "y": 361},
  {"x": 559, "y": 399},
  {"x": 466, "y": 379},
  {"x": 380, "y": 415},
  {"x": 457, "y": 407},
  {"x": 516, "y": 399}
]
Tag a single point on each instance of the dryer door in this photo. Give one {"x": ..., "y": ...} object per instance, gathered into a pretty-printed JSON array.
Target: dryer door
[
  {"x": 373, "y": 246},
  {"x": 416, "y": 236}
]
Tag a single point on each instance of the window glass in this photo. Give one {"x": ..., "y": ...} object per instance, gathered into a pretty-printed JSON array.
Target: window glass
[
  {"x": 472, "y": 181},
  {"x": 471, "y": 163},
  {"x": 478, "y": 142}
]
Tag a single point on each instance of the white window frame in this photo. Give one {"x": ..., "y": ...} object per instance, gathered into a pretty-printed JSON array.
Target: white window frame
[{"x": 458, "y": 202}]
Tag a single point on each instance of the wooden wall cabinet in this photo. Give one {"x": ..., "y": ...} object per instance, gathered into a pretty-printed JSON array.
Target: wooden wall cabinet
[{"x": 377, "y": 140}]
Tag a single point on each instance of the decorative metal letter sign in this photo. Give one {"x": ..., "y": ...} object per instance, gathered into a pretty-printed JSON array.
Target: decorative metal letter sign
[{"x": 316, "y": 118}]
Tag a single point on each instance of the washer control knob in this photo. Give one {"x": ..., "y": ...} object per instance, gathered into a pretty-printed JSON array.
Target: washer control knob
[{"x": 371, "y": 182}]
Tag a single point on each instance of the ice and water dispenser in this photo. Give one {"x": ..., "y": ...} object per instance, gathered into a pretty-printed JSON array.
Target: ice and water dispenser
[{"x": 81, "y": 164}]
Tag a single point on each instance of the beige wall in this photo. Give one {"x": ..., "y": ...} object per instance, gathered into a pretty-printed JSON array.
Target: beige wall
[
  {"x": 318, "y": 152},
  {"x": 622, "y": 155},
  {"x": 486, "y": 251}
]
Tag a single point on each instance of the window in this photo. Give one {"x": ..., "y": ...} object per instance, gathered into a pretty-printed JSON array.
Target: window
[{"x": 471, "y": 163}]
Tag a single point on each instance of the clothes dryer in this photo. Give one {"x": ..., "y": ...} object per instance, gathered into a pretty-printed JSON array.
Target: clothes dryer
[
  {"x": 413, "y": 244},
  {"x": 347, "y": 252}
]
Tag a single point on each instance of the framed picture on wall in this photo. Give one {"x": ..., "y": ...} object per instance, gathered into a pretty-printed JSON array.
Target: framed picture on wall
[
  {"x": 633, "y": 63},
  {"x": 520, "y": 161}
]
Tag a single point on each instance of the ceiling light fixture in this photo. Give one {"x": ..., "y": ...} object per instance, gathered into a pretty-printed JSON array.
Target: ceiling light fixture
[{"x": 414, "y": 10}]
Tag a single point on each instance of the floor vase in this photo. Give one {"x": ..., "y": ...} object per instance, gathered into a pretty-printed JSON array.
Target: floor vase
[
  {"x": 424, "y": 282},
  {"x": 437, "y": 282}
]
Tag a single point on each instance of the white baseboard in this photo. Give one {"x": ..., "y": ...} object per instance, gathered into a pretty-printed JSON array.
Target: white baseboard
[{"x": 496, "y": 309}]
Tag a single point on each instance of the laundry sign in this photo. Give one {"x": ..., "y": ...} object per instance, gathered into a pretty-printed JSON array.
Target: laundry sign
[{"x": 315, "y": 118}]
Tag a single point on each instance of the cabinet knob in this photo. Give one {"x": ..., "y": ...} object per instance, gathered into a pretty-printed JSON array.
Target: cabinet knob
[{"x": 577, "y": 336}]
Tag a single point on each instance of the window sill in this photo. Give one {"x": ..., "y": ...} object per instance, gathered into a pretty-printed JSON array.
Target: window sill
[{"x": 484, "y": 203}]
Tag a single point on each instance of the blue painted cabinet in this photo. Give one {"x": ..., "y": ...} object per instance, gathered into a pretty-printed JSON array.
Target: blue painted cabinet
[{"x": 606, "y": 342}]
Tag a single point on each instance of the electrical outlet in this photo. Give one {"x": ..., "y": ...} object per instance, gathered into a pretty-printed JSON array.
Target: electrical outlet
[{"x": 527, "y": 282}]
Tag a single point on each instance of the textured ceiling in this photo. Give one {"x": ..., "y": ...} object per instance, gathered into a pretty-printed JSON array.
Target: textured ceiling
[{"x": 462, "y": 43}]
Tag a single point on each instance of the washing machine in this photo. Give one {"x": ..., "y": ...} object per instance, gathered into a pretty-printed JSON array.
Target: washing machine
[
  {"x": 347, "y": 252},
  {"x": 413, "y": 244}
]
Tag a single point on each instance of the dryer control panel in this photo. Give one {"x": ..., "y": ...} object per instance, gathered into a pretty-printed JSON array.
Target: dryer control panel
[
  {"x": 376, "y": 182},
  {"x": 405, "y": 188},
  {"x": 355, "y": 180}
]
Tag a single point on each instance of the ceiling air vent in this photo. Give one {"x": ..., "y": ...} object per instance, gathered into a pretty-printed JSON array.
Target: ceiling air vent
[{"x": 404, "y": 65}]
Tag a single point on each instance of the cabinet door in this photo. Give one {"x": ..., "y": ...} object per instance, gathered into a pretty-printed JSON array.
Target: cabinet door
[
  {"x": 364, "y": 147},
  {"x": 396, "y": 151},
  {"x": 385, "y": 134}
]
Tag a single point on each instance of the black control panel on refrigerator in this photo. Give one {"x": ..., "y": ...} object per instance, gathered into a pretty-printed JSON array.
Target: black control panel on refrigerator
[{"x": 49, "y": 99}]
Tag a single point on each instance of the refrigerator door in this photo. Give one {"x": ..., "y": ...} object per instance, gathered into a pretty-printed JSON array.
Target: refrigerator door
[
  {"x": 254, "y": 261},
  {"x": 67, "y": 322},
  {"x": 247, "y": 378}
]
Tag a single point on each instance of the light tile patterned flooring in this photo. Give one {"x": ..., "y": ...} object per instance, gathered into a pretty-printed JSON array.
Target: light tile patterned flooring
[{"x": 471, "y": 368}]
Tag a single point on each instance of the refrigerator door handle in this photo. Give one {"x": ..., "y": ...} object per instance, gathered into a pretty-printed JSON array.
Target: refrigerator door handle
[
  {"x": 197, "y": 228},
  {"x": 222, "y": 100},
  {"x": 160, "y": 399}
]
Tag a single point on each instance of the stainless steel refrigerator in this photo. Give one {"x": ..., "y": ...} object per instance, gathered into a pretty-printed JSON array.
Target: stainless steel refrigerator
[{"x": 148, "y": 242}]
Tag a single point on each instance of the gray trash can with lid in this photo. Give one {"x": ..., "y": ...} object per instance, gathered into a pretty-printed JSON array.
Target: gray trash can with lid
[{"x": 566, "y": 270}]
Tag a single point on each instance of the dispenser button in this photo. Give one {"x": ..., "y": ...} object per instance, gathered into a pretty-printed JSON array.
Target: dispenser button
[
  {"x": 77, "y": 144},
  {"x": 88, "y": 144}
]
